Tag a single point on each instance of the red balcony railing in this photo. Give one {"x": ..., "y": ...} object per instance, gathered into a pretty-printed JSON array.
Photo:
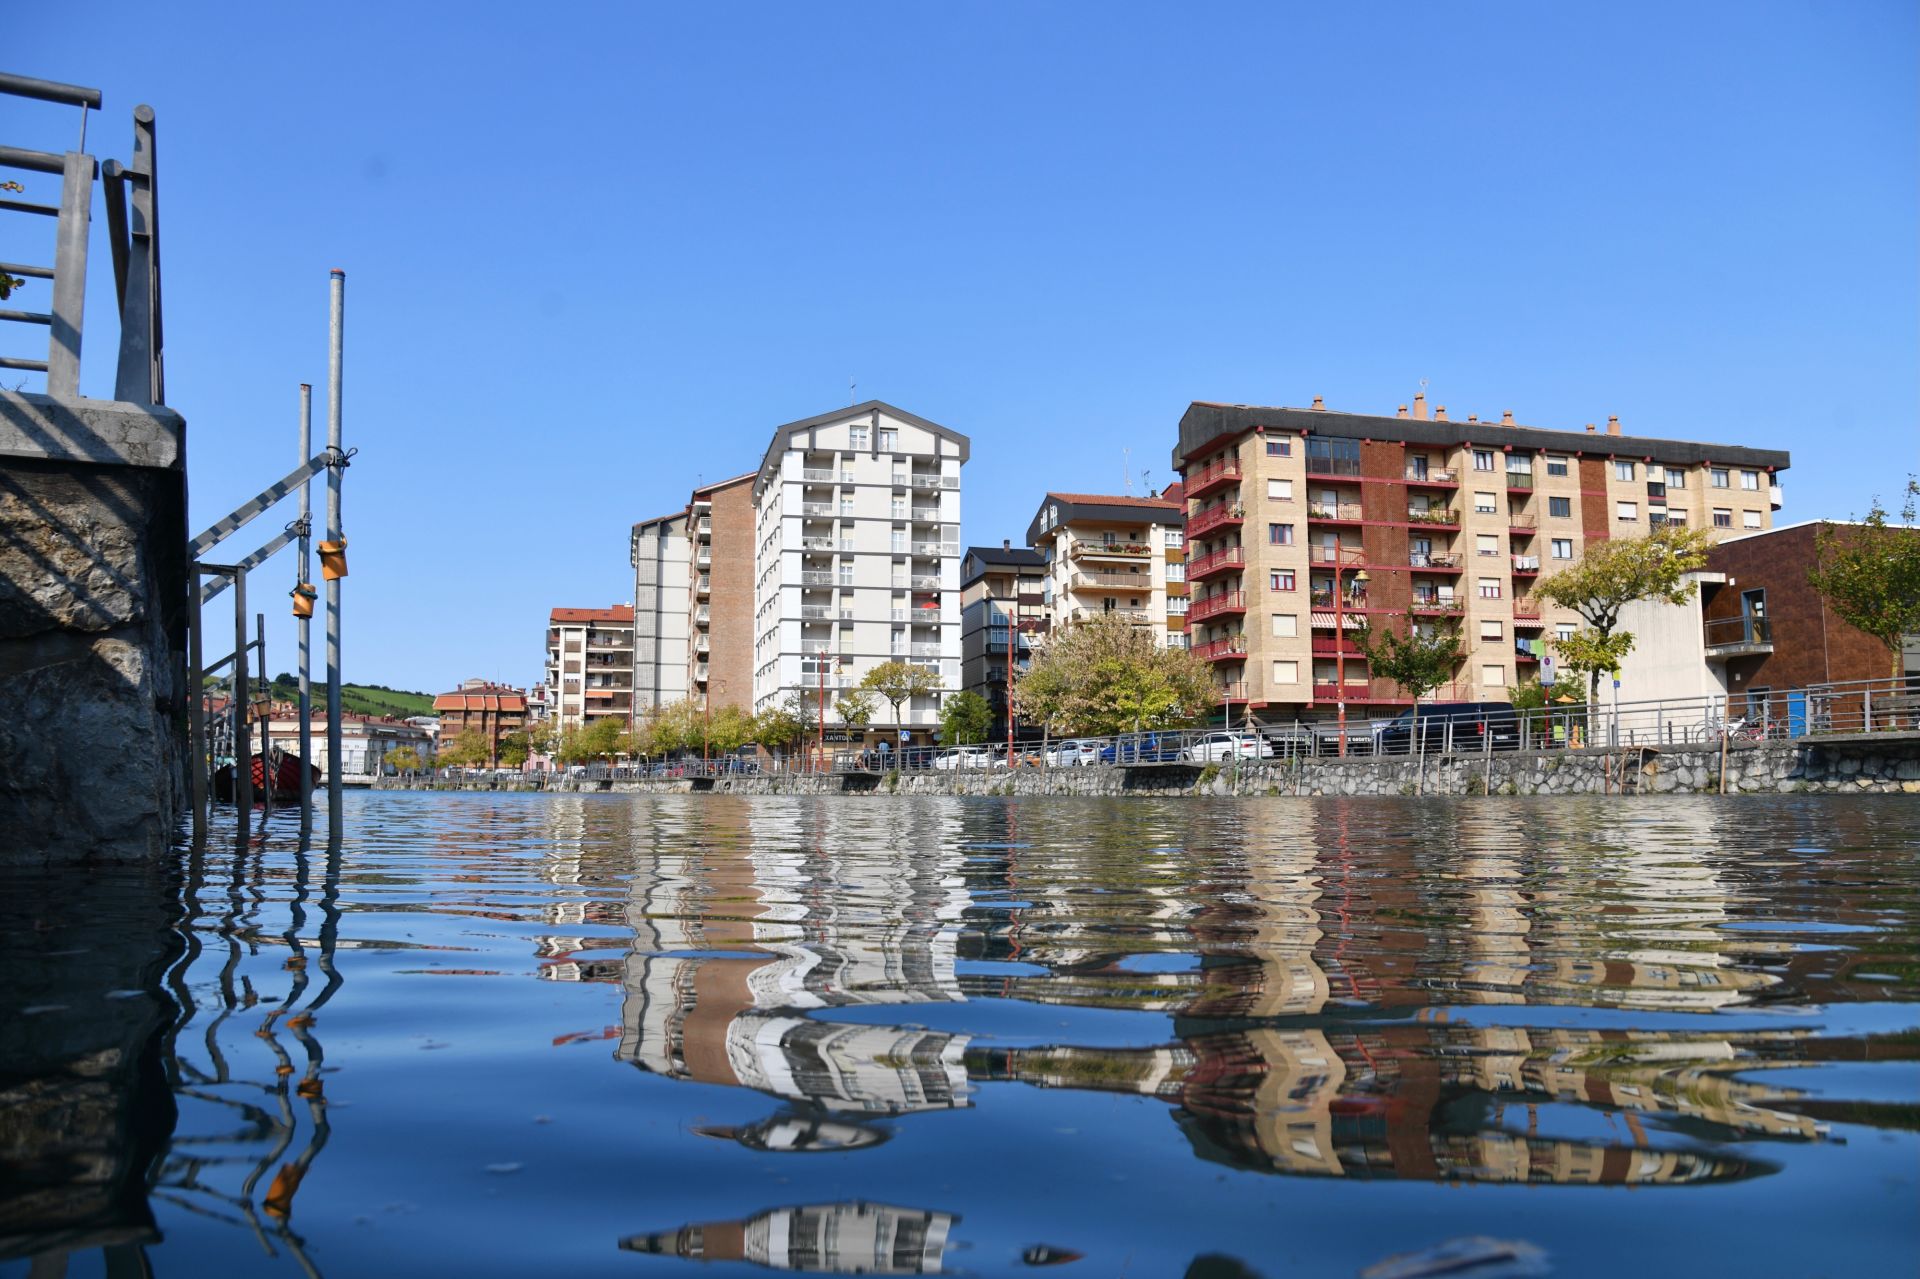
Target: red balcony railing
[
  {"x": 1215, "y": 605},
  {"x": 1217, "y": 475},
  {"x": 1231, "y": 649},
  {"x": 1526, "y": 607},
  {"x": 1224, "y": 515},
  {"x": 1233, "y": 557},
  {"x": 1336, "y": 555}
]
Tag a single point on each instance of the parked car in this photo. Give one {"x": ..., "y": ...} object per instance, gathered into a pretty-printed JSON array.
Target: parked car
[
  {"x": 1072, "y": 752},
  {"x": 1141, "y": 748},
  {"x": 1461, "y": 726},
  {"x": 1215, "y": 747},
  {"x": 963, "y": 758}
]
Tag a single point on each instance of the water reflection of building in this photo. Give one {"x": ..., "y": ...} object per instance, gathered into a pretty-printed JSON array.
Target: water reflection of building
[{"x": 840, "y": 1238}]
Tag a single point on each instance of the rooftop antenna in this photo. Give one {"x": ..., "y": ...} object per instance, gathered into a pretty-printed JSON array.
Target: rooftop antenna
[{"x": 850, "y": 385}]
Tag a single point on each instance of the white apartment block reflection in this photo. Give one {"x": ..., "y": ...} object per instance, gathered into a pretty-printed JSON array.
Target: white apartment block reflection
[{"x": 838, "y": 1238}]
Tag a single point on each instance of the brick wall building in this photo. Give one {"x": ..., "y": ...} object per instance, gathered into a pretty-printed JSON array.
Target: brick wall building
[
  {"x": 490, "y": 710},
  {"x": 721, "y": 531}
]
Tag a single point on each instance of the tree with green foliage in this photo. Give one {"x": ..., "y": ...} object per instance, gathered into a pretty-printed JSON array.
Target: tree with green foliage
[
  {"x": 965, "y": 719},
  {"x": 726, "y": 730},
  {"x": 1419, "y": 661},
  {"x": 1869, "y": 573},
  {"x": 468, "y": 750},
  {"x": 783, "y": 725},
  {"x": 1609, "y": 576},
  {"x": 1106, "y": 675},
  {"x": 854, "y": 707},
  {"x": 404, "y": 758},
  {"x": 671, "y": 727},
  {"x": 898, "y": 683},
  {"x": 600, "y": 740},
  {"x": 514, "y": 749}
]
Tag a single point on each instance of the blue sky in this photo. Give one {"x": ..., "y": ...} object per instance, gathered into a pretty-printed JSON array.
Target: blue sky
[{"x": 595, "y": 253}]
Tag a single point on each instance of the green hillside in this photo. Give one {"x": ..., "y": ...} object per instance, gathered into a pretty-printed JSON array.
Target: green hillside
[{"x": 363, "y": 699}]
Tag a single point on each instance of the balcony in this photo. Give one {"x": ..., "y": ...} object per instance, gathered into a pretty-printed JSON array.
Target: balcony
[
  {"x": 1218, "y": 475},
  {"x": 1729, "y": 637},
  {"x": 1336, "y": 555},
  {"x": 1232, "y": 558},
  {"x": 1519, "y": 481},
  {"x": 1332, "y": 646},
  {"x": 924, "y": 583},
  {"x": 1216, "y": 605},
  {"x": 1328, "y": 691},
  {"x": 1526, "y": 608},
  {"x": 1433, "y": 477},
  {"x": 817, "y": 510},
  {"x": 1094, "y": 579},
  {"x": 817, "y": 475},
  {"x": 1426, "y": 562},
  {"x": 816, "y": 577},
  {"x": 934, "y": 550},
  {"x": 1110, "y": 550},
  {"x": 929, "y": 482},
  {"x": 1137, "y": 616},
  {"x": 1522, "y": 652},
  {"x": 1332, "y": 465},
  {"x": 1231, "y": 649},
  {"x": 704, "y": 584},
  {"x": 1339, "y": 513},
  {"x": 1525, "y": 524},
  {"x": 1526, "y": 565},
  {"x": 1434, "y": 515},
  {"x": 1222, "y": 516},
  {"x": 1436, "y": 606},
  {"x": 926, "y": 515},
  {"x": 824, "y": 613},
  {"x": 700, "y": 673}
]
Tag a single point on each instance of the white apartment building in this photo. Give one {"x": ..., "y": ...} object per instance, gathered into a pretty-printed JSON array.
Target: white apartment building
[
  {"x": 662, "y": 557},
  {"x": 857, "y": 555},
  {"x": 1108, "y": 554},
  {"x": 590, "y": 665}
]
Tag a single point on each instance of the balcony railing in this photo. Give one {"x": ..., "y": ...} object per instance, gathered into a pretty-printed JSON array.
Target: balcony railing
[
  {"x": 1232, "y": 557},
  {"x": 924, "y": 583},
  {"x": 1738, "y": 637},
  {"x": 1525, "y": 607},
  {"x": 1519, "y": 479},
  {"x": 1233, "y": 648},
  {"x": 1215, "y": 605},
  {"x": 816, "y": 475},
  {"x": 817, "y": 510},
  {"x": 934, "y": 482},
  {"x": 1332, "y": 465},
  {"x": 1432, "y": 515},
  {"x": 1138, "y": 616},
  {"x": 935, "y": 549},
  {"x": 1093, "y": 578},
  {"x": 1526, "y": 563},
  {"x": 1336, "y": 555},
  {"x": 1522, "y": 523},
  {"x": 1338, "y": 511},
  {"x": 1208, "y": 478},
  {"x": 926, "y": 515},
  {"x": 1437, "y": 606},
  {"x": 1222, "y": 516},
  {"x": 1332, "y": 646},
  {"x": 1431, "y": 563},
  {"x": 816, "y": 577},
  {"x": 1123, "y": 550},
  {"x": 1432, "y": 475}
]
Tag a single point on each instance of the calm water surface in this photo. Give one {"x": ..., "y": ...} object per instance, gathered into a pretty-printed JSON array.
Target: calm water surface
[{"x": 664, "y": 1036}]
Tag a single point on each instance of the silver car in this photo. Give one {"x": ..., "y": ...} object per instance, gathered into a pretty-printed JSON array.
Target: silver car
[{"x": 1216, "y": 747}]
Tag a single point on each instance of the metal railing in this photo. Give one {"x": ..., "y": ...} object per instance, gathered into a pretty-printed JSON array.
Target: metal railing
[
  {"x": 1727, "y": 632},
  {"x": 1433, "y": 475}
]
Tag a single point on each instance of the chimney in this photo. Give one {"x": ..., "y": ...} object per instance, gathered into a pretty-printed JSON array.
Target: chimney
[
  {"x": 1440, "y": 414},
  {"x": 1473, "y": 417},
  {"x": 1613, "y": 424},
  {"x": 1589, "y": 428},
  {"x": 1006, "y": 544},
  {"x": 1402, "y": 412},
  {"x": 1420, "y": 407},
  {"x": 1506, "y": 418},
  {"x": 1319, "y": 404}
]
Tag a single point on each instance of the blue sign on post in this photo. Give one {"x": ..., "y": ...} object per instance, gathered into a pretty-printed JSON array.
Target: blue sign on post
[
  {"x": 905, "y": 735},
  {"x": 1547, "y": 675}
]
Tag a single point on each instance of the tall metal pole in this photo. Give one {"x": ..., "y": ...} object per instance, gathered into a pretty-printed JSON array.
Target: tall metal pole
[
  {"x": 335, "y": 752},
  {"x": 304, "y": 625},
  {"x": 242, "y": 731},
  {"x": 196, "y": 708},
  {"x": 266, "y": 721}
]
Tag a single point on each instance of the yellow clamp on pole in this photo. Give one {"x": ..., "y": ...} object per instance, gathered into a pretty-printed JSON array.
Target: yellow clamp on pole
[
  {"x": 333, "y": 559},
  {"x": 303, "y": 597}
]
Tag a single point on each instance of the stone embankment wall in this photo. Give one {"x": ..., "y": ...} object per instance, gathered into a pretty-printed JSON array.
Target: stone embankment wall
[
  {"x": 1884, "y": 764},
  {"x": 93, "y": 589}
]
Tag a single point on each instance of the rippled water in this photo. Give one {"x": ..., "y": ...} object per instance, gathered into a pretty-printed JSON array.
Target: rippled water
[{"x": 513, "y": 1034}]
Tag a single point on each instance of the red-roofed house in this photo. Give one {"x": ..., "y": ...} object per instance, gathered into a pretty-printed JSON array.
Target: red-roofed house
[
  {"x": 1110, "y": 554},
  {"x": 490, "y": 710},
  {"x": 590, "y": 664}
]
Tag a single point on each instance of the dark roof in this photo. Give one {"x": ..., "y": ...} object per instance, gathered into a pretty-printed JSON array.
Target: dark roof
[
  {"x": 997, "y": 557},
  {"x": 1112, "y": 508},
  {"x": 781, "y": 434},
  {"x": 1205, "y": 423}
]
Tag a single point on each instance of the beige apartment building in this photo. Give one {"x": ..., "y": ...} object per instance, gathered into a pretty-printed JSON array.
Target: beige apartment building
[
  {"x": 1107, "y": 555},
  {"x": 1304, "y": 524},
  {"x": 590, "y": 665}
]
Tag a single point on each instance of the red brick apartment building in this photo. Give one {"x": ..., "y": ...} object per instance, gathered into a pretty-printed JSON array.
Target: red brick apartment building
[
  {"x": 490, "y": 710},
  {"x": 1303, "y": 523}
]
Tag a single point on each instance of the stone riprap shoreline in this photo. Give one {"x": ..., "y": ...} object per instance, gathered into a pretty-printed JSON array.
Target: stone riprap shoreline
[{"x": 1879, "y": 764}]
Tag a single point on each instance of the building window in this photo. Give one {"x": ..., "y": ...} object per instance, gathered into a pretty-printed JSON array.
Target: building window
[
  {"x": 1176, "y": 605},
  {"x": 1750, "y": 481},
  {"x": 1563, "y": 548},
  {"x": 857, "y": 437},
  {"x": 1280, "y": 579},
  {"x": 1723, "y": 517},
  {"x": 1560, "y": 507},
  {"x": 1280, "y": 490},
  {"x": 1556, "y": 465},
  {"x": 1493, "y": 676},
  {"x": 1176, "y": 572},
  {"x": 1676, "y": 478},
  {"x": 1563, "y": 631},
  {"x": 1626, "y": 511},
  {"x": 1719, "y": 477},
  {"x": 1286, "y": 625},
  {"x": 1623, "y": 471},
  {"x": 1483, "y": 504},
  {"x": 1176, "y": 538},
  {"x": 1486, "y": 544},
  {"x": 1483, "y": 459},
  {"x": 1749, "y": 519},
  {"x": 1286, "y": 672},
  {"x": 889, "y": 439},
  {"x": 1280, "y": 535},
  {"x": 1676, "y": 517},
  {"x": 1520, "y": 464},
  {"x": 1489, "y": 630},
  {"x": 1279, "y": 448}
]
